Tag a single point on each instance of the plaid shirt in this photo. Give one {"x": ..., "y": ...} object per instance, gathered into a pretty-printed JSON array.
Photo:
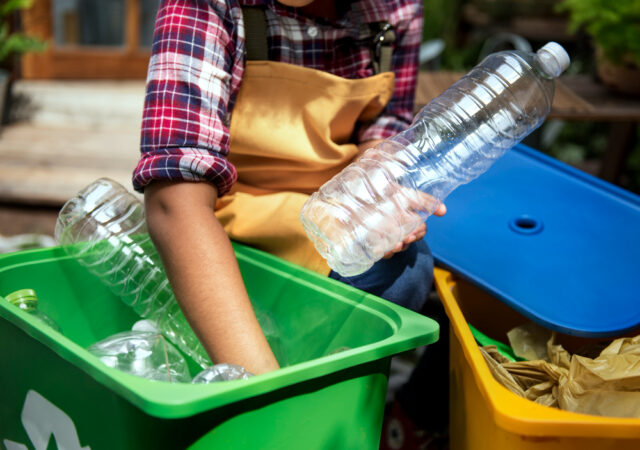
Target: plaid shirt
[{"x": 197, "y": 64}]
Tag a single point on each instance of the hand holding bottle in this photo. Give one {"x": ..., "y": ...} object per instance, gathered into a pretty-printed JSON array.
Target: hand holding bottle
[
  {"x": 361, "y": 214},
  {"x": 417, "y": 234}
]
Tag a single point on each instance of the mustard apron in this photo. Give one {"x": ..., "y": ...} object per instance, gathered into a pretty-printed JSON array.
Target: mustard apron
[{"x": 290, "y": 132}]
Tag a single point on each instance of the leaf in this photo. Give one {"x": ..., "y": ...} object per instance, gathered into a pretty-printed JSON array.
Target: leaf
[
  {"x": 17, "y": 44},
  {"x": 10, "y": 6},
  {"x": 614, "y": 25},
  {"x": 11, "y": 43}
]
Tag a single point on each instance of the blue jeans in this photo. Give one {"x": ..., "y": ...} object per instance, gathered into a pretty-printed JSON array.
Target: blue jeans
[{"x": 404, "y": 279}]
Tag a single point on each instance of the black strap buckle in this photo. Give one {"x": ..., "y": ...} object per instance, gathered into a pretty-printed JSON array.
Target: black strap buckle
[{"x": 385, "y": 36}]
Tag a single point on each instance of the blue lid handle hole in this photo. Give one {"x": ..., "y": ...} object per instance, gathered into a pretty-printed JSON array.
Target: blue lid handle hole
[{"x": 525, "y": 225}]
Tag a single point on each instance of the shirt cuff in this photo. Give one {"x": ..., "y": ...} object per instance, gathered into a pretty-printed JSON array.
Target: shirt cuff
[
  {"x": 382, "y": 128},
  {"x": 185, "y": 164}
]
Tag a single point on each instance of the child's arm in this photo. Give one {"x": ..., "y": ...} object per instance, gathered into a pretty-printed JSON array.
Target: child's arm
[
  {"x": 204, "y": 274},
  {"x": 195, "y": 68}
]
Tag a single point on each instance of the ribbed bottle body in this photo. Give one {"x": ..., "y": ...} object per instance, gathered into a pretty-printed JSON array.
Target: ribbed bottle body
[
  {"x": 375, "y": 202},
  {"x": 104, "y": 229}
]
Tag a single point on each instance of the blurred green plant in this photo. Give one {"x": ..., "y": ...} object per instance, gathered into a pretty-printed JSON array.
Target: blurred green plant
[
  {"x": 13, "y": 43},
  {"x": 613, "y": 25},
  {"x": 442, "y": 21}
]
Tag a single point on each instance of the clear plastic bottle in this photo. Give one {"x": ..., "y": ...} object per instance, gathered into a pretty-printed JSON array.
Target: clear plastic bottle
[
  {"x": 27, "y": 300},
  {"x": 375, "y": 202},
  {"x": 104, "y": 228},
  {"x": 145, "y": 354},
  {"x": 221, "y": 372}
]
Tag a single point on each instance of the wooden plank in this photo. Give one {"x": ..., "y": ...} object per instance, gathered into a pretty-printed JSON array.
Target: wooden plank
[
  {"x": 40, "y": 185},
  {"x": 432, "y": 84},
  {"x": 567, "y": 104},
  {"x": 576, "y": 98},
  {"x": 132, "y": 24},
  {"x": 47, "y": 166},
  {"x": 37, "y": 21},
  {"x": 610, "y": 106},
  {"x": 70, "y": 147},
  {"x": 86, "y": 64}
]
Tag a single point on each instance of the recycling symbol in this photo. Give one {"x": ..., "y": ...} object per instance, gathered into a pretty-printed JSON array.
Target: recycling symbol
[{"x": 41, "y": 420}]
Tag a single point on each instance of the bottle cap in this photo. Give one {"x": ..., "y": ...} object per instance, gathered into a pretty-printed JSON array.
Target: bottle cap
[
  {"x": 559, "y": 54},
  {"x": 24, "y": 298}
]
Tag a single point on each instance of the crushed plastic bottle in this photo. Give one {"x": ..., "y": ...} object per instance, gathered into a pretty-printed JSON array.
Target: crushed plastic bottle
[
  {"x": 144, "y": 354},
  {"x": 146, "y": 325},
  {"x": 221, "y": 372},
  {"x": 27, "y": 300},
  {"x": 378, "y": 200},
  {"x": 104, "y": 228}
]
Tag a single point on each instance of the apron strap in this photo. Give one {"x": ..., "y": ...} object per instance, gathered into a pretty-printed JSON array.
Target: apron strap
[
  {"x": 383, "y": 46},
  {"x": 255, "y": 30},
  {"x": 255, "y": 25}
]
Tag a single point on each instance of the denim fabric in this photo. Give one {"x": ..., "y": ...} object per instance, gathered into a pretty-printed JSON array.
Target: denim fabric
[{"x": 404, "y": 279}]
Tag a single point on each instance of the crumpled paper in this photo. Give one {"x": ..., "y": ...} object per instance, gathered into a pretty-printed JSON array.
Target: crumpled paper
[
  {"x": 607, "y": 385},
  {"x": 529, "y": 341}
]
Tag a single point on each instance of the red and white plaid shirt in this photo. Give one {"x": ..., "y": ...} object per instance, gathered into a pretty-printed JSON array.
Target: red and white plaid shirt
[{"x": 197, "y": 63}]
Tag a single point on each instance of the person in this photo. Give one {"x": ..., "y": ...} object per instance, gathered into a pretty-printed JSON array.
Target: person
[{"x": 243, "y": 121}]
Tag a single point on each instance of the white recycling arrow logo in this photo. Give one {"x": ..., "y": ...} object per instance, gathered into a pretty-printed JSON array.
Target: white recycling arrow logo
[{"x": 41, "y": 420}]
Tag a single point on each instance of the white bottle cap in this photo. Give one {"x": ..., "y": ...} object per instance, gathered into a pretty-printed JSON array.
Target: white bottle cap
[{"x": 559, "y": 53}]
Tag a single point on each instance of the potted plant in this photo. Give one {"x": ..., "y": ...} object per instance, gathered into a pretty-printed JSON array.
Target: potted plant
[
  {"x": 615, "y": 29},
  {"x": 12, "y": 44}
]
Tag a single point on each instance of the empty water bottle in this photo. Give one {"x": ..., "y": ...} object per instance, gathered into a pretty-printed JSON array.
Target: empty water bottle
[
  {"x": 27, "y": 300},
  {"x": 104, "y": 228},
  {"x": 221, "y": 372},
  {"x": 378, "y": 200},
  {"x": 145, "y": 354}
]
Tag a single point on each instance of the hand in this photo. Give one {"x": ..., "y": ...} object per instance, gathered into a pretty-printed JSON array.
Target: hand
[{"x": 416, "y": 235}]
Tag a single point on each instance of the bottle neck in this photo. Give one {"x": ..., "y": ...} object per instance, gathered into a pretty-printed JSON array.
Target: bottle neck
[
  {"x": 24, "y": 300},
  {"x": 26, "y": 305}
]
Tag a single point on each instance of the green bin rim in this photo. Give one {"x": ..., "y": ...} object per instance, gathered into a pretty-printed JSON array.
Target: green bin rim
[{"x": 176, "y": 400}]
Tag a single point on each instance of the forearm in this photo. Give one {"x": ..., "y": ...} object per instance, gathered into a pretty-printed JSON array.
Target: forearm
[{"x": 204, "y": 274}]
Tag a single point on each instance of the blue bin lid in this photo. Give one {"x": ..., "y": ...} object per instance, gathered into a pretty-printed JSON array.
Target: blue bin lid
[{"x": 556, "y": 244}]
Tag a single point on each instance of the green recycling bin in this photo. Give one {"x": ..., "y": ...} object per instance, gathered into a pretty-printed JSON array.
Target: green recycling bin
[{"x": 338, "y": 341}]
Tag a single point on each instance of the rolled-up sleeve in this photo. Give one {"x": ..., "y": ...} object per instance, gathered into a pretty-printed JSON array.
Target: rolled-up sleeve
[
  {"x": 194, "y": 74},
  {"x": 398, "y": 114}
]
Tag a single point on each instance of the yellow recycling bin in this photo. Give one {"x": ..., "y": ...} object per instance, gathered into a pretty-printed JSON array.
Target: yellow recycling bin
[{"x": 484, "y": 415}]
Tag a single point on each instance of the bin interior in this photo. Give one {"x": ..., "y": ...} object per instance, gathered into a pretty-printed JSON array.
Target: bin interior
[
  {"x": 310, "y": 325},
  {"x": 504, "y": 411},
  {"x": 325, "y": 326}
]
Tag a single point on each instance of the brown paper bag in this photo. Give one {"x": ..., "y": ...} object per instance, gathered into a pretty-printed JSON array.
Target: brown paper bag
[{"x": 608, "y": 385}]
